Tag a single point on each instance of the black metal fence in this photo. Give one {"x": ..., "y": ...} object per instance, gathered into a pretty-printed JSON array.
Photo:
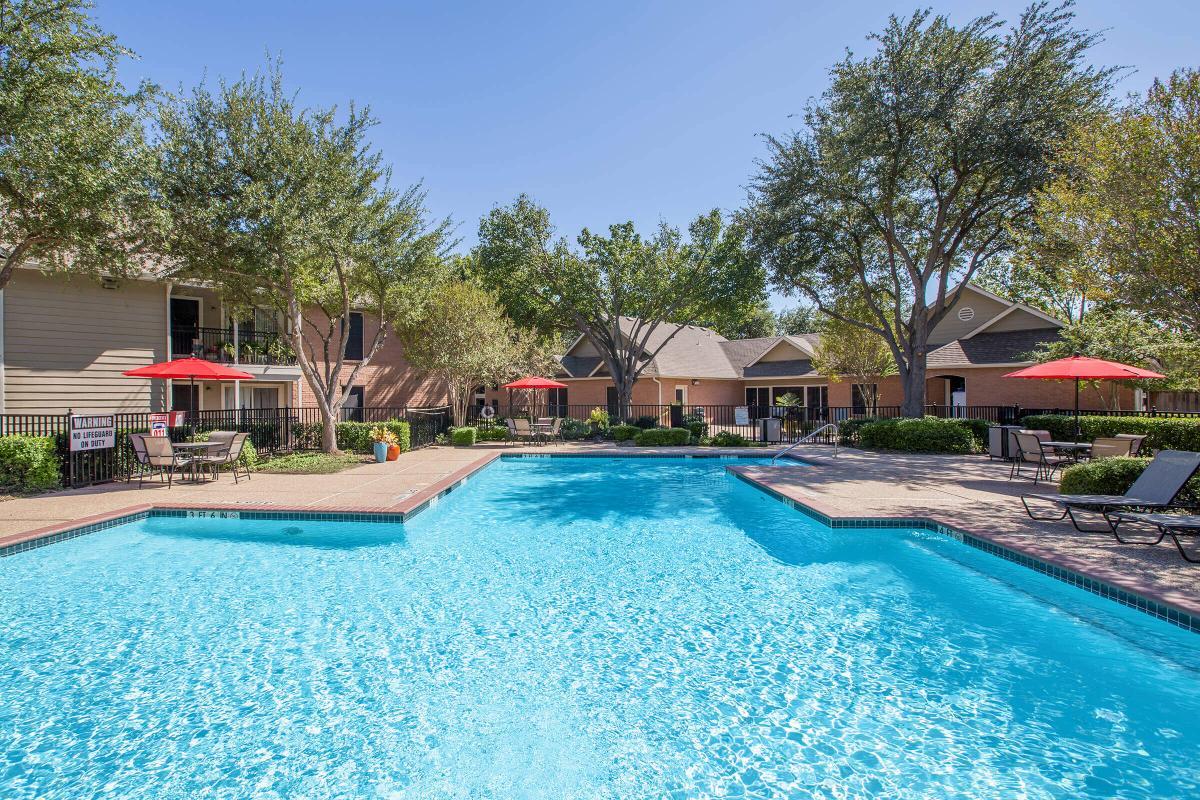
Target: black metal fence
[
  {"x": 271, "y": 430},
  {"x": 788, "y": 423}
]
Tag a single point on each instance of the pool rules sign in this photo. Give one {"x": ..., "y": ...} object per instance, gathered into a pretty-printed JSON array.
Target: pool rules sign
[{"x": 94, "y": 432}]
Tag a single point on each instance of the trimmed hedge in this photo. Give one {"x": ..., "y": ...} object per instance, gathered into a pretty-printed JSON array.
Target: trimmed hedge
[
  {"x": 29, "y": 463},
  {"x": 463, "y": 437},
  {"x": 573, "y": 429},
  {"x": 354, "y": 436},
  {"x": 921, "y": 435},
  {"x": 656, "y": 437},
  {"x": 1113, "y": 476},
  {"x": 495, "y": 433},
  {"x": 1161, "y": 433},
  {"x": 623, "y": 433},
  {"x": 729, "y": 439},
  {"x": 697, "y": 426}
]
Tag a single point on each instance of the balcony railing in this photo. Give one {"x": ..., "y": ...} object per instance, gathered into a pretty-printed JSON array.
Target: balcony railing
[{"x": 217, "y": 344}]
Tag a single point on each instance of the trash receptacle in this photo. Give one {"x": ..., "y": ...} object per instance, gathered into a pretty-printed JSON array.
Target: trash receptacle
[
  {"x": 770, "y": 429},
  {"x": 1000, "y": 441}
]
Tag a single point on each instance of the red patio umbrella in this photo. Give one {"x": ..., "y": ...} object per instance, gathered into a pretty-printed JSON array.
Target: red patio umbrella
[
  {"x": 189, "y": 369},
  {"x": 535, "y": 383},
  {"x": 1082, "y": 368},
  {"x": 532, "y": 383}
]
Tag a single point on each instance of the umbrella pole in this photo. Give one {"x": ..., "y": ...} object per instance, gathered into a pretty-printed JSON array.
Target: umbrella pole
[{"x": 1077, "y": 431}]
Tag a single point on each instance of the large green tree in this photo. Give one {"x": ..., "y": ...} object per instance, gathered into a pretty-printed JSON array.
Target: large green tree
[
  {"x": 463, "y": 337},
  {"x": 849, "y": 351},
  {"x": 74, "y": 166},
  {"x": 289, "y": 207},
  {"x": 792, "y": 321},
  {"x": 616, "y": 290},
  {"x": 1121, "y": 334},
  {"x": 916, "y": 165},
  {"x": 1124, "y": 215}
]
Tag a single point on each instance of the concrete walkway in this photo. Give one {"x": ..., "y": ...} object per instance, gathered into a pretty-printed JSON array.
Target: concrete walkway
[{"x": 969, "y": 493}]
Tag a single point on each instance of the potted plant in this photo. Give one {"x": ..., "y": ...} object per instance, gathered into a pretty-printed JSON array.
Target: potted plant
[
  {"x": 598, "y": 421},
  {"x": 384, "y": 442}
]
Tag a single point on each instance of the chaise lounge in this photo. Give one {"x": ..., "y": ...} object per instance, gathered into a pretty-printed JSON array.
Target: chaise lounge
[
  {"x": 1156, "y": 489},
  {"x": 1173, "y": 525}
]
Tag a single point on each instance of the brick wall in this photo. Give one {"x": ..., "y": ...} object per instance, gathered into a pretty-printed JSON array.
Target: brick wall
[{"x": 388, "y": 379}]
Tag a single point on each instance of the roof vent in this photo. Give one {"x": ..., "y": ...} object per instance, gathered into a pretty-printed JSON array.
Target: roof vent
[{"x": 966, "y": 313}]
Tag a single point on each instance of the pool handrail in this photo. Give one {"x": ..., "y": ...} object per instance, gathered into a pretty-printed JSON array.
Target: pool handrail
[{"x": 807, "y": 438}]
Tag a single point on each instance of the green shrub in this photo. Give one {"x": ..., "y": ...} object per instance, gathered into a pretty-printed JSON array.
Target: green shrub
[
  {"x": 494, "y": 433},
  {"x": 573, "y": 429},
  {"x": 656, "y": 437},
  {"x": 849, "y": 429},
  {"x": 696, "y": 426},
  {"x": 1113, "y": 476},
  {"x": 646, "y": 422},
  {"x": 729, "y": 439},
  {"x": 462, "y": 437},
  {"x": 920, "y": 435},
  {"x": 623, "y": 433},
  {"x": 354, "y": 437},
  {"x": 29, "y": 463},
  {"x": 1161, "y": 433},
  {"x": 247, "y": 459}
]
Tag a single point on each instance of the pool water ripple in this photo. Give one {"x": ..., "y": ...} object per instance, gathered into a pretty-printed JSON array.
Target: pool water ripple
[{"x": 577, "y": 628}]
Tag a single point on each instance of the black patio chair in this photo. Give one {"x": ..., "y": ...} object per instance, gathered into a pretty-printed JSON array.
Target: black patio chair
[
  {"x": 1173, "y": 525},
  {"x": 1156, "y": 489}
]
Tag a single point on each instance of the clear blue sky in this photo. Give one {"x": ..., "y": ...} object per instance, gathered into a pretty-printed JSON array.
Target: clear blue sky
[{"x": 603, "y": 112}]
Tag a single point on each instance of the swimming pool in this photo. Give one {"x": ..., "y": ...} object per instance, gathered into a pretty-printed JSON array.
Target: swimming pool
[{"x": 577, "y": 628}]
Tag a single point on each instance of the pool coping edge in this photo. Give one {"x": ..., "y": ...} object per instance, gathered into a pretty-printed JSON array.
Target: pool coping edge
[{"x": 1059, "y": 568}]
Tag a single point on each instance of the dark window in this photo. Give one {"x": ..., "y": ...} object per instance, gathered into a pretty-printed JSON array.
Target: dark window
[
  {"x": 354, "y": 343},
  {"x": 352, "y": 410},
  {"x": 185, "y": 325},
  {"x": 862, "y": 397},
  {"x": 613, "y": 406},
  {"x": 558, "y": 402},
  {"x": 758, "y": 398},
  {"x": 185, "y": 397}
]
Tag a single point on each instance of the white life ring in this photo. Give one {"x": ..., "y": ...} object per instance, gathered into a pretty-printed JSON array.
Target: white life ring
[{"x": 487, "y": 412}]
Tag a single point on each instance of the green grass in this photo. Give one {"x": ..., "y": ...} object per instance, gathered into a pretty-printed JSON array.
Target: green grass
[{"x": 311, "y": 463}]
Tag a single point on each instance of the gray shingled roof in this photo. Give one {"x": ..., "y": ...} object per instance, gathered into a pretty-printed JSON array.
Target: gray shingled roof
[
  {"x": 579, "y": 366},
  {"x": 695, "y": 352},
  {"x": 779, "y": 369},
  {"x": 1007, "y": 347}
]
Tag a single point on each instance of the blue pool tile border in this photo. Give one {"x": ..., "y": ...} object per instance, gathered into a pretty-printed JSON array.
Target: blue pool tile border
[
  {"x": 1182, "y": 619},
  {"x": 636, "y": 454},
  {"x": 72, "y": 533}
]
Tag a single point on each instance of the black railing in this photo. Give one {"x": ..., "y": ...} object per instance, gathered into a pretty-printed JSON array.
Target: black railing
[
  {"x": 272, "y": 430},
  {"x": 218, "y": 344}
]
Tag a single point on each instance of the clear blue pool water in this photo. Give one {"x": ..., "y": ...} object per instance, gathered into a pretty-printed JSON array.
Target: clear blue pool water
[{"x": 578, "y": 628}]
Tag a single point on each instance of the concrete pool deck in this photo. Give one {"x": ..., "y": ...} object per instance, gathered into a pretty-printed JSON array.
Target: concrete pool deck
[{"x": 971, "y": 494}]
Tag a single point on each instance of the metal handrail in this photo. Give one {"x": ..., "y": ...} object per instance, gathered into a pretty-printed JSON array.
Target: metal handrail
[{"x": 808, "y": 438}]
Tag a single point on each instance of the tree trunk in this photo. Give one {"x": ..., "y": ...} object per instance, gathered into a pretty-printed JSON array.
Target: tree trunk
[
  {"x": 912, "y": 378},
  {"x": 624, "y": 399},
  {"x": 328, "y": 429}
]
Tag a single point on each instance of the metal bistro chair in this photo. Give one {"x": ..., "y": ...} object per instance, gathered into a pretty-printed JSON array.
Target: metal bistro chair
[
  {"x": 227, "y": 452},
  {"x": 1111, "y": 447},
  {"x": 1135, "y": 439},
  {"x": 1030, "y": 450},
  {"x": 162, "y": 457}
]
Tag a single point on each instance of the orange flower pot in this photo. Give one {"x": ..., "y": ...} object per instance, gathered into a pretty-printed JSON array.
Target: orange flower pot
[{"x": 393, "y": 452}]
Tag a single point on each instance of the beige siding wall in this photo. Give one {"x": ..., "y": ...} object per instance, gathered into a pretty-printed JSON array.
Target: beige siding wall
[
  {"x": 952, "y": 327},
  {"x": 67, "y": 342},
  {"x": 783, "y": 351},
  {"x": 1019, "y": 320}
]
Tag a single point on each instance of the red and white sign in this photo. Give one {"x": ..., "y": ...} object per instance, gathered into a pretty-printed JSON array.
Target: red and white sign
[
  {"x": 161, "y": 421},
  {"x": 93, "y": 432}
]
